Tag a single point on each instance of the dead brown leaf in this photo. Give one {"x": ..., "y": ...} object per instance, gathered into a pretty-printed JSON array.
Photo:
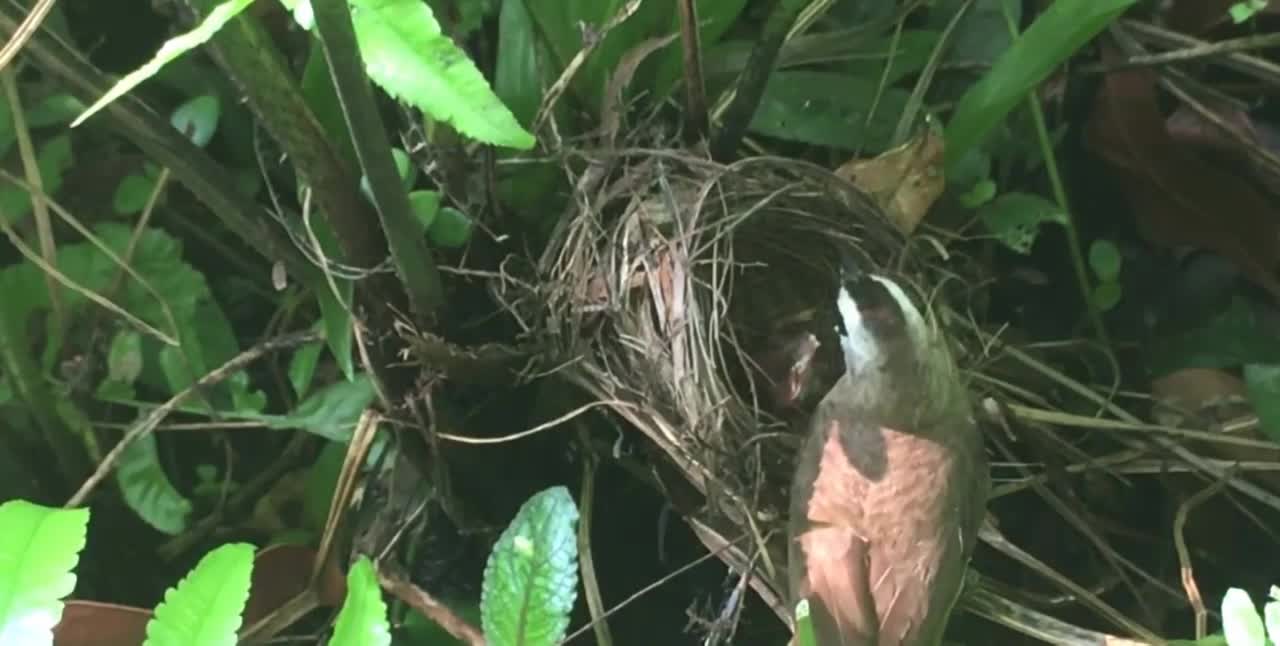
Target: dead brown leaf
[
  {"x": 905, "y": 181},
  {"x": 1176, "y": 196}
]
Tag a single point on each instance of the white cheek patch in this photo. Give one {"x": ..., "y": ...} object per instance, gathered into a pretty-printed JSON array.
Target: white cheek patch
[{"x": 860, "y": 348}]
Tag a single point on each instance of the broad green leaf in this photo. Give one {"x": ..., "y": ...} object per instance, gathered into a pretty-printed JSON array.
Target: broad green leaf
[
  {"x": 1240, "y": 621},
  {"x": 1263, "y": 384},
  {"x": 825, "y": 109},
  {"x": 197, "y": 119},
  {"x": 517, "y": 77},
  {"x": 332, "y": 411},
  {"x": 426, "y": 205},
  {"x": 531, "y": 579},
  {"x": 406, "y": 55},
  {"x": 132, "y": 193},
  {"x": 363, "y": 618},
  {"x": 1015, "y": 218},
  {"x": 53, "y": 158},
  {"x": 1055, "y": 35},
  {"x": 147, "y": 489},
  {"x": 982, "y": 34},
  {"x": 451, "y": 228},
  {"x": 1105, "y": 259},
  {"x": 204, "y": 609},
  {"x": 322, "y": 98},
  {"x": 39, "y": 549}
]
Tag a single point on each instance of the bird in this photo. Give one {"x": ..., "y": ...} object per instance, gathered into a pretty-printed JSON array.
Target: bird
[{"x": 891, "y": 482}]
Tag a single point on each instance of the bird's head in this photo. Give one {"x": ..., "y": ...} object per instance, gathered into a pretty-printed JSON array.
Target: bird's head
[{"x": 893, "y": 354}]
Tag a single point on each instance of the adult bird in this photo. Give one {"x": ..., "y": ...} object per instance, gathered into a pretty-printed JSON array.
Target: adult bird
[{"x": 891, "y": 482}]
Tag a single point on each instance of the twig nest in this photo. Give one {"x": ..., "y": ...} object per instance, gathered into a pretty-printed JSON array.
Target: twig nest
[{"x": 671, "y": 287}]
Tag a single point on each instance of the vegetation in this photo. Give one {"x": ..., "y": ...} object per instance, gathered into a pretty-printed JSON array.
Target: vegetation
[{"x": 394, "y": 275}]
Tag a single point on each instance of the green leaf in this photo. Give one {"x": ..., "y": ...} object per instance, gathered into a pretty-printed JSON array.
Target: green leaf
[
  {"x": 197, "y": 119},
  {"x": 53, "y": 110},
  {"x": 39, "y": 549},
  {"x": 332, "y": 411},
  {"x": 531, "y": 579},
  {"x": 1055, "y": 35},
  {"x": 322, "y": 481},
  {"x": 804, "y": 625},
  {"x": 170, "y": 50},
  {"x": 1106, "y": 295},
  {"x": 1263, "y": 384},
  {"x": 826, "y": 109},
  {"x": 714, "y": 19},
  {"x": 204, "y": 609},
  {"x": 1271, "y": 616},
  {"x": 517, "y": 77},
  {"x": 322, "y": 98},
  {"x": 1240, "y": 621},
  {"x": 363, "y": 618},
  {"x": 337, "y": 322},
  {"x": 302, "y": 366},
  {"x": 404, "y": 167},
  {"x": 147, "y": 489},
  {"x": 1237, "y": 336},
  {"x": 53, "y": 159},
  {"x": 1104, "y": 259},
  {"x": 1015, "y": 218},
  {"x": 426, "y": 205},
  {"x": 124, "y": 358},
  {"x": 132, "y": 193},
  {"x": 406, "y": 55},
  {"x": 451, "y": 228}
]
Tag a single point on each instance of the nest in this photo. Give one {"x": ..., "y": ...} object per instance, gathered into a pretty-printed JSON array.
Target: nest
[{"x": 658, "y": 293}]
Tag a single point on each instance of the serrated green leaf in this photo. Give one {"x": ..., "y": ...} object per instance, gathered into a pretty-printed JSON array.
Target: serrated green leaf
[
  {"x": 1240, "y": 621},
  {"x": 1052, "y": 38},
  {"x": 363, "y": 618},
  {"x": 147, "y": 490},
  {"x": 408, "y": 57},
  {"x": 171, "y": 49},
  {"x": 204, "y": 609},
  {"x": 1015, "y": 218},
  {"x": 332, "y": 411},
  {"x": 531, "y": 579},
  {"x": 39, "y": 550},
  {"x": 826, "y": 109},
  {"x": 1263, "y": 384}
]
